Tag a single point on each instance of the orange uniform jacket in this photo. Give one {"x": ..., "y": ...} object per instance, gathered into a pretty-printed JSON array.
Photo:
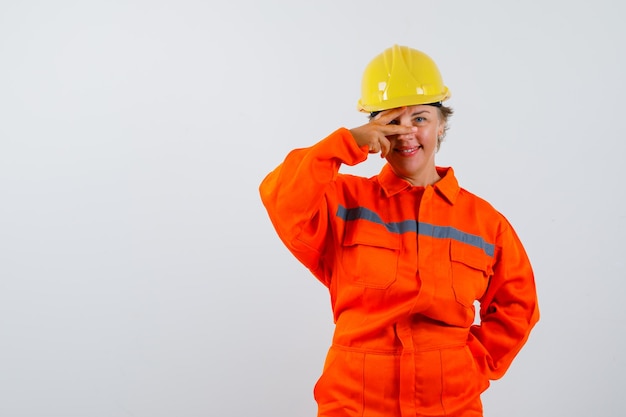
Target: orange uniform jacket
[{"x": 404, "y": 266}]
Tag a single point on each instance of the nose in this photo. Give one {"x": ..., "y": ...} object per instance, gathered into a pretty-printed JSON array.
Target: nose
[
  {"x": 406, "y": 136},
  {"x": 406, "y": 122}
]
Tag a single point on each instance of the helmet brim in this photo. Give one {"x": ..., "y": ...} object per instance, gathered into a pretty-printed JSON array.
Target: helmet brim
[{"x": 403, "y": 102}]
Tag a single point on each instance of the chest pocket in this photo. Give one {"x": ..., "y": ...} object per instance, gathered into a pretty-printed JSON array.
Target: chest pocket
[
  {"x": 370, "y": 255},
  {"x": 471, "y": 269}
]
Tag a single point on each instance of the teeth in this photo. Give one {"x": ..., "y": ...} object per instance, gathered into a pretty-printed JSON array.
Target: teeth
[{"x": 408, "y": 150}]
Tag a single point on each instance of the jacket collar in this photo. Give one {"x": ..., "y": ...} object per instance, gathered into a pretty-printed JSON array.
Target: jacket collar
[{"x": 447, "y": 186}]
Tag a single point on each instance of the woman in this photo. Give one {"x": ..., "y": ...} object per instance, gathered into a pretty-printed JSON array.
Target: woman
[{"x": 404, "y": 254}]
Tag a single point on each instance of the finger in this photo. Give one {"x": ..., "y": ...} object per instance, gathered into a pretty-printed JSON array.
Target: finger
[
  {"x": 388, "y": 130},
  {"x": 374, "y": 148},
  {"x": 386, "y": 116},
  {"x": 385, "y": 147}
]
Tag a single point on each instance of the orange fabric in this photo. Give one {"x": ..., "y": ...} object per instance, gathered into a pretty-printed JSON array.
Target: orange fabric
[{"x": 404, "y": 266}]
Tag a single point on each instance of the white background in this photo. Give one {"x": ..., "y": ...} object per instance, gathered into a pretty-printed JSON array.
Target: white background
[{"x": 139, "y": 273}]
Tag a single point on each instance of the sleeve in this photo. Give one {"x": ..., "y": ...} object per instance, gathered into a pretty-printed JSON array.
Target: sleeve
[
  {"x": 509, "y": 308},
  {"x": 296, "y": 195}
]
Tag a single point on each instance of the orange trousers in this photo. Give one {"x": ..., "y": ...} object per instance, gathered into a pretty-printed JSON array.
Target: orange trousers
[{"x": 432, "y": 373}]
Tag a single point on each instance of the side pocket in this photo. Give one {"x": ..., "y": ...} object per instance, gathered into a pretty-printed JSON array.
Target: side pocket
[
  {"x": 462, "y": 383},
  {"x": 471, "y": 269},
  {"x": 341, "y": 385},
  {"x": 370, "y": 255}
]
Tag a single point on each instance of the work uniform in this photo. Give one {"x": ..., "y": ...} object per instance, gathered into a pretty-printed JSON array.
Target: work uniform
[{"x": 403, "y": 265}]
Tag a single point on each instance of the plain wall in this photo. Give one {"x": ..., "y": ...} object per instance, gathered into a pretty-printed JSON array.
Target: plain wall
[{"x": 139, "y": 273}]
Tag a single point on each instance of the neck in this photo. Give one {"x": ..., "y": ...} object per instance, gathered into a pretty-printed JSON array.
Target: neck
[{"x": 424, "y": 179}]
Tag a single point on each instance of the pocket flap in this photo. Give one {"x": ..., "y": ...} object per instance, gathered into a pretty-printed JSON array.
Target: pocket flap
[
  {"x": 471, "y": 256},
  {"x": 366, "y": 233}
]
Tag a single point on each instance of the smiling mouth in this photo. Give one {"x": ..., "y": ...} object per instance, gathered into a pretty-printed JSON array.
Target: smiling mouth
[{"x": 408, "y": 151}]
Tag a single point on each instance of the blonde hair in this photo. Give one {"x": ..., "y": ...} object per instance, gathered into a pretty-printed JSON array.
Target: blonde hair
[{"x": 444, "y": 113}]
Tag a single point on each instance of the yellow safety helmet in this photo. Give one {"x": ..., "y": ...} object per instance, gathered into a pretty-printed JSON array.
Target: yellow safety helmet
[{"x": 401, "y": 76}]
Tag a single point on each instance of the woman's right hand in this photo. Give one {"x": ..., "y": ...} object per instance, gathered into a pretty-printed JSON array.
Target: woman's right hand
[{"x": 374, "y": 133}]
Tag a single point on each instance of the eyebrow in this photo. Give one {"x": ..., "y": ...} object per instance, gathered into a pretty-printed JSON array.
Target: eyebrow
[{"x": 420, "y": 112}]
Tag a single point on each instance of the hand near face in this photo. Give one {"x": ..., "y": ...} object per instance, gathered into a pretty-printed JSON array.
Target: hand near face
[{"x": 374, "y": 134}]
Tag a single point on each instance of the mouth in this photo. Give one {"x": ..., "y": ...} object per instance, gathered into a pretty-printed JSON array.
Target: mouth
[{"x": 408, "y": 151}]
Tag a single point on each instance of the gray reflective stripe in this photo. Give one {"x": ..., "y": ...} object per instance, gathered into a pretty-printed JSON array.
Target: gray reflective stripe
[
  {"x": 443, "y": 232},
  {"x": 362, "y": 213},
  {"x": 426, "y": 229}
]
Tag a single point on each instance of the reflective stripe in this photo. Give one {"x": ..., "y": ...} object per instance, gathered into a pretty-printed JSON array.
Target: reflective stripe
[
  {"x": 362, "y": 213},
  {"x": 407, "y": 226}
]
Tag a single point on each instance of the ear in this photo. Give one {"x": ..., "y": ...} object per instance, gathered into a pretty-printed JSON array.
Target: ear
[{"x": 440, "y": 128}]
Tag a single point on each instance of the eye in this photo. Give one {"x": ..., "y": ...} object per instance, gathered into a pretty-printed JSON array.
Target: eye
[
  {"x": 393, "y": 122},
  {"x": 419, "y": 119}
]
